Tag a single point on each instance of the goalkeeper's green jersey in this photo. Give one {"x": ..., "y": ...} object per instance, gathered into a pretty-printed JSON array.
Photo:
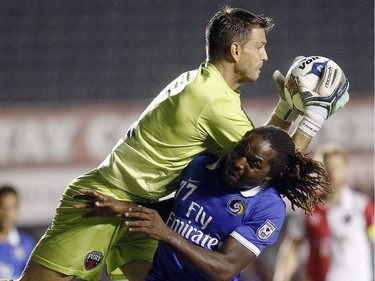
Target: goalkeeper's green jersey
[{"x": 197, "y": 113}]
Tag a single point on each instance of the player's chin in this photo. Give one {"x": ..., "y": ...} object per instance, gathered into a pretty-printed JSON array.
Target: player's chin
[
  {"x": 230, "y": 180},
  {"x": 254, "y": 76}
]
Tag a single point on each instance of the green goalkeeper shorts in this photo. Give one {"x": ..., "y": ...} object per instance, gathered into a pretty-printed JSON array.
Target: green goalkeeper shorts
[{"x": 80, "y": 247}]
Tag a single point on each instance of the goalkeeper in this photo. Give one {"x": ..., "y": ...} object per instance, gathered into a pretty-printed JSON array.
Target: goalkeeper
[{"x": 199, "y": 112}]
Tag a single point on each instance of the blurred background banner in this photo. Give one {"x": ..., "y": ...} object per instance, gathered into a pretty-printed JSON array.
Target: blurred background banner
[
  {"x": 75, "y": 74},
  {"x": 43, "y": 148}
]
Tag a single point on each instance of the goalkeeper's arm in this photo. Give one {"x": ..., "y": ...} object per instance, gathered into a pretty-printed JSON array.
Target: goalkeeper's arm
[
  {"x": 331, "y": 95},
  {"x": 283, "y": 115}
]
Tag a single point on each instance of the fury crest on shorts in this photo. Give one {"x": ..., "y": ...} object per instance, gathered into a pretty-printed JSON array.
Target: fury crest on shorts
[{"x": 93, "y": 259}]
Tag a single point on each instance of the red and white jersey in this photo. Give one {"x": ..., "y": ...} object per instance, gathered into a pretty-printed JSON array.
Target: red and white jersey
[{"x": 339, "y": 248}]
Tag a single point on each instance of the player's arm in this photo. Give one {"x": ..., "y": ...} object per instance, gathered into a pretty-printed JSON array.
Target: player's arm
[
  {"x": 299, "y": 138},
  {"x": 331, "y": 94},
  {"x": 222, "y": 265},
  {"x": 287, "y": 260},
  {"x": 284, "y": 115},
  {"x": 99, "y": 204},
  {"x": 278, "y": 122},
  {"x": 106, "y": 206}
]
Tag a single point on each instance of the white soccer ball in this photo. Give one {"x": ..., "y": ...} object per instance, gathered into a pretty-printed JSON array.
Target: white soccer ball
[{"x": 311, "y": 68}]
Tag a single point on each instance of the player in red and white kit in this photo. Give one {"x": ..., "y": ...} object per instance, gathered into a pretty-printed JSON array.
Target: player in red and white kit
[{"x": 338, "y": 234}]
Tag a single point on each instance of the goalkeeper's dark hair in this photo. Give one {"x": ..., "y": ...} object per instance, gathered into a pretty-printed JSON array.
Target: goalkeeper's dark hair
[
  {"x": 294, "y": 174},
  {"x": 230, "y": 25}
]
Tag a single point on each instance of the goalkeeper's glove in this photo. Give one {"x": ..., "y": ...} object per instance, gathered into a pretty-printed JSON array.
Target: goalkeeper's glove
[
  {"x": 330, "y": 95},
  {"x": 283, "y": 110}
]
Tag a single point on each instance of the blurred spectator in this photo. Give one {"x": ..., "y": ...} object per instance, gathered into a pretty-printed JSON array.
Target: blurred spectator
[
  {"x": 15, "y": 245},
  {"x": 338, "y": 236}
]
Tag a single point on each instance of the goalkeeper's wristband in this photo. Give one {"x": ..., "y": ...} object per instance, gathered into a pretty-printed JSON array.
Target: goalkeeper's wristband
[
  {"x": 310, "y": 124},
  {"x": 285, "y": 112}
]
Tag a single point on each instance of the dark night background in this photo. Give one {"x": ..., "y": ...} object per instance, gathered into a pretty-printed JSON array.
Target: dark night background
[{"x": 70, "y": 51}]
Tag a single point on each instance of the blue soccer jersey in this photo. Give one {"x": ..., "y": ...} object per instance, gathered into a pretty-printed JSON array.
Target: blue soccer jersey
[
  {"x": 206, "y": 213},
  {"x": 14, "y": 253}
]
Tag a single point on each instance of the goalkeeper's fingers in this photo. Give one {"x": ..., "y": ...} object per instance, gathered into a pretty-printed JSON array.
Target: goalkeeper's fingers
[
  {"x": 332, "y": 76},
  {"x": 334, "y": 86},
  {"x": 278, "y": 77},
  {"x": 298, "y": 59},
  {"x": 279, "y": 80}
]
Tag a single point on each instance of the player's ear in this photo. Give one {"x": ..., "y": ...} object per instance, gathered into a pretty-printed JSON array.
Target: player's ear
[
  {"x": 269, "y": 177},
  {"x": 235, "y": 51}
]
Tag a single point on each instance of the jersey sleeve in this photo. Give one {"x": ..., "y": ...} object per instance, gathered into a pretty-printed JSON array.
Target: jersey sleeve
[
  {"x": 262, "y": 227},
  {"x": 225, "y": 122}
]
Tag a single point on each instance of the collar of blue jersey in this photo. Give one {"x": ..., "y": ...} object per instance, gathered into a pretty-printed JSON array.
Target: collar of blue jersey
[
  {"x": 13, "y": 237},
  {"x": 248, "y": 192},
  {"x": 255, "y": 190}
]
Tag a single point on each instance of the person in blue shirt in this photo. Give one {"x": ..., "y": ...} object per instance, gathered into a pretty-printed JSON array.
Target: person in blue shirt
[
  {"x": 15, "y": 245},
  {"x": 227, "y": 210}
]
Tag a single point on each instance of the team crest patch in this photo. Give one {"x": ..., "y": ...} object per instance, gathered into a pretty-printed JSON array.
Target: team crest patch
[
  {"x": 236, "y": 206},
  {"x": 266, "y": 230},
  {"x": 93, "y": 259}
]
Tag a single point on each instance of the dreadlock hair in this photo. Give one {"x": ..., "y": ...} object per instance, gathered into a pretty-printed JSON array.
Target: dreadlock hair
[{"x": 294, "y": 175}]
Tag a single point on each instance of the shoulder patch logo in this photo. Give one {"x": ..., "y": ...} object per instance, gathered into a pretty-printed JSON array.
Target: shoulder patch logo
[
  {"x": 236, "y": 206},
  {"x": 266, "y": 230},
  {"x": 93, "y": 259}
]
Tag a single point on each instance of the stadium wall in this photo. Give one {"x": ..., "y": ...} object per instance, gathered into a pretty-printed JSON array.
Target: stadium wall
[{"x": 43, "y": 148}]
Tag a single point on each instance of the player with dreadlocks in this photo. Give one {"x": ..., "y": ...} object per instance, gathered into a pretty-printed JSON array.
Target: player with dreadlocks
[{"x": 228, "y": 209}]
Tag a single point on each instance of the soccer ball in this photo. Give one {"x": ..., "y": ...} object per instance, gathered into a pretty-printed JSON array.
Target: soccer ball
[{"x": 311, "y": 68}]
